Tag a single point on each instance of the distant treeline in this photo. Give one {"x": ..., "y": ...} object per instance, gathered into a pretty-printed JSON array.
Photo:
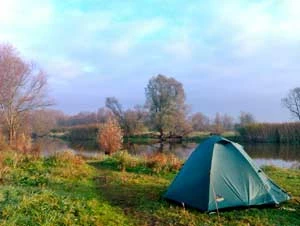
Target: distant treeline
[
  {"x": 250, "y": 133},
  {"x": 89, "y": 132},
  {"x": 81, "y": 132},
  {"x": 271, "y": 132}
]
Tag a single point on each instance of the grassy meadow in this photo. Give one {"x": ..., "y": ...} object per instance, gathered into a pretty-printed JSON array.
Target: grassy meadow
[{"x": 116, "y": 190}]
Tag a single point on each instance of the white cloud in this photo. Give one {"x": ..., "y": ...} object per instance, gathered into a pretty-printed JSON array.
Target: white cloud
[
  {"x": 122, "y": 46},
  {"x": 180, "y": 47},
  {"x": 48, "y": 36},
  {"x": 23, "y": 23},
  {"x": 28, "y": 13},
  {"x": 133, "y": 32},
  {"x": 68, "y": 68},
  {"x": 254, "y": 26}
]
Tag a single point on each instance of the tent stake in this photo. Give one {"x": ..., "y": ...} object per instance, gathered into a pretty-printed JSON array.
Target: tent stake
[{"x": 215, "y": 198}]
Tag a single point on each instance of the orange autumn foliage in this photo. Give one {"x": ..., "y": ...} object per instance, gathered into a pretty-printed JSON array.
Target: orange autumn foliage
[{"x": 110, "y": 136}]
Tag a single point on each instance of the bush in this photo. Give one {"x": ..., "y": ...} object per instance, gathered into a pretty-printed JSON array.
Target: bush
[
  {"x": 24, "y": 143},
  {"x": 68, "y": 158},
  {"x": 125, "y": 160},
  {"x": 110, "y": 137},
  {"x": 153, "y": 163},
  {"x": 159, "y": 162}
]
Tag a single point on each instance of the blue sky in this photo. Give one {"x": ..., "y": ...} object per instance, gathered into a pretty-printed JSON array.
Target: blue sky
[{"x": 231, "y": 56}]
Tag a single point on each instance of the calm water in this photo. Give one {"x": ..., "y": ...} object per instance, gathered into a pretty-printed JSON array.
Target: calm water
[{"x": 286, "y": 156}]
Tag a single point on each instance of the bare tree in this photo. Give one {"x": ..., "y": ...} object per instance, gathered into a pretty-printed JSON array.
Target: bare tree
[
  {"x": 85, "y": 118},
  {"x": 103, "y": 114},
  {"x": 292, "y": 102},
  {"x": 200, "y": 122},
  {"x": 246, "y": 118},
  {"x": 165, "y": 100},
  {"x": 22, "y": 88},
  {"x": 227, "y": 122},
  {"x": 134, "y": 120},
  {"x": 218, "y": 125},
  {"x": 131, "y": 120},
  {"x": 43, "y": 121},
  {"x": 114, "y": 105}
]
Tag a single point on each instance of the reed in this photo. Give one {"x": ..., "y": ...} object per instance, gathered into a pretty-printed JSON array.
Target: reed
[{"x": 271, "y": 132}]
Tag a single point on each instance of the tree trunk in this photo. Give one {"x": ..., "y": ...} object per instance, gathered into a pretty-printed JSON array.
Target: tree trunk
[
  {"x": 161, "y": 135},
  {"x": 10, "y": 138},
  {"x": 161, "y": 147},
  {"x": 11, "y": 135},
  {"x": 12, "y": 129}
]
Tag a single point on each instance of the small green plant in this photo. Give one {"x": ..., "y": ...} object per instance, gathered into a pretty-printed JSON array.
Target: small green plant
[{"x": 3, "y": 169}]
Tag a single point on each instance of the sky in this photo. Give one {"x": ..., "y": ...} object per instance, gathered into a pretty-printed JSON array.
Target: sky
[{"x": 230, "y": 56}]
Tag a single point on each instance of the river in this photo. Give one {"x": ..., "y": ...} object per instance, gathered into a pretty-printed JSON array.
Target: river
[{"x": 280, "y": 155}]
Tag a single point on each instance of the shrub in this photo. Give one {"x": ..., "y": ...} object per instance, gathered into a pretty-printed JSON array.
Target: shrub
[
  {"x": 23, "y": 143},
  {"x": 68, "y": 165},
  {"x": 3, "y": 144},
  {"x": 152, "y": 163},
  {"x": 110, "y": 137},
  {"x": 125, "y": 160},
  {"x": 35, "y": 151},
  {"x": 159, "y": 162}
]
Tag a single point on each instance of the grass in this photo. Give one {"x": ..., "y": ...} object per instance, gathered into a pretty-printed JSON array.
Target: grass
[
  {"x": 54, "y": 191},
  {"x": 116, "y": 190}
]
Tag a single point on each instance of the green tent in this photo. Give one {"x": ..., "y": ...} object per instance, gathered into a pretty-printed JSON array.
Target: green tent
[{"x": 219, "y": 174}]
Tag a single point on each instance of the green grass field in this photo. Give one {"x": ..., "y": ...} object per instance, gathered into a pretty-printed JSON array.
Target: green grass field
[{"x": 67, "y": 190}]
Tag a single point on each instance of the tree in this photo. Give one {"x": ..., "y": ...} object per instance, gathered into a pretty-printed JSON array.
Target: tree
[
  {"x": 165, "y": 101},
  {"x": 200, "y": 122},
  {"x": 103, "y": 115},
  {"x": 134, "y": 120},
  {"x": 131, "y": 120},
  {"x": 22, "y": 89},
  {"x": 292, "y": 102},
  {"x": 114, "y": 105},
  {"x": 43, "y": 121},
  {"x": 218, "y": 125},
  {"x": 86, "y": 118},
  {"x": 110, "y": 136},
  {"x": 246, "y": 118},
  {"x": 227, "y": 122}
]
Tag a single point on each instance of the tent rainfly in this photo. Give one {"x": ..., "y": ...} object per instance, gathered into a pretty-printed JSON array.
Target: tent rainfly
[{"x": 219, "y": 174}]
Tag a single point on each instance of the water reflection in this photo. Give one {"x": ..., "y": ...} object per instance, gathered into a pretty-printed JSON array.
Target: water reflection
[
  {"x": 271, "y": 151},
  {"x": 181, "y": 150},
  {"x": 281, "y": 155},
  {"x": 50, "y": 146},
  {"x": 287, "y": 156}
]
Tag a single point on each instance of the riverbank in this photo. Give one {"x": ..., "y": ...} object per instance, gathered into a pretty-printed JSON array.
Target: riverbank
[
  {"x": 89, "y": 133},
  {"x": 120, "y": 190},
  {"x": 283, "y": 155},
  {"x": 277, "y": 133}
]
